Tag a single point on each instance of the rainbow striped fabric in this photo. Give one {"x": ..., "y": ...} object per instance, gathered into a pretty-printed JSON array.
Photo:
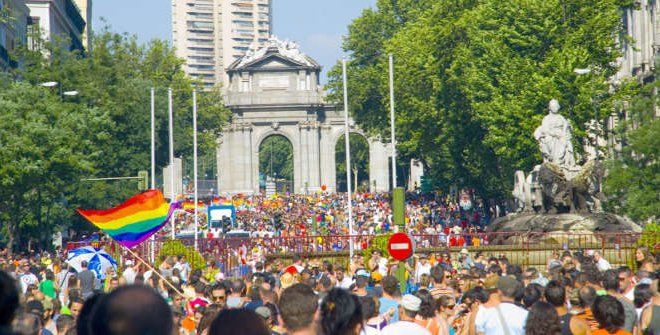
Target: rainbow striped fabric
[{"x": 135, "y": 220}]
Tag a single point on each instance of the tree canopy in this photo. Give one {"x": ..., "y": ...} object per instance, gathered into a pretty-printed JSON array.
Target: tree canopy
[
  {"x": 473, "y": 79},
  {"x": 50, "y": 142},
  {"x": 359, "y": 162}
]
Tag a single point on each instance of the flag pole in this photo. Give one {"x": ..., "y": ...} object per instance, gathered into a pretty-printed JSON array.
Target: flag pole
[
  {"x": 194, "y": 96},
  {"x": 171, "y": 149},
  {"x": 153, "y": 139},
  {"x": 153, "y": 270},
  {"x": 393, "y": 143},
  {"x": 153, "y": 160},
  {"x": 348, "y": 161}
]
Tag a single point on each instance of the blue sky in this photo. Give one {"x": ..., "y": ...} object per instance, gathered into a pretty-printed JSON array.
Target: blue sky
[{"x": 317, "y": 25}]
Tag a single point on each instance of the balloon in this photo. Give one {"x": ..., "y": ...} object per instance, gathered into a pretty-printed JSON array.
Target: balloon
[{"x": 323, "y": 187}]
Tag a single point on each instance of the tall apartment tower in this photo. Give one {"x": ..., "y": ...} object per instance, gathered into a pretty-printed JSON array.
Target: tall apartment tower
[{"x": 210, "y": 34}]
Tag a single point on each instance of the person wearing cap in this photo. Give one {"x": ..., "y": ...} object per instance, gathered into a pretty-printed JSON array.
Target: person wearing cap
[
  {"x": 361, "y": 282},
  {"x": 500, "y": 315},
  {"x": 408, "y": 309}
]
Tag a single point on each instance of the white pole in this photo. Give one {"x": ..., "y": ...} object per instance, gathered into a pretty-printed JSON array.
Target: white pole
[
  {"x": 194, "y": 96},
  {"x": 153, "y": 162},
  {"x": 392, "y": 121},
  {"x": 153, "y": 139},
  {"x": 348, "y": 161},
  {"x": 171, "y": 131}
]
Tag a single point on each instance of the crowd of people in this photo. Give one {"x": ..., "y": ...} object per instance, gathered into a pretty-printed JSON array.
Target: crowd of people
[
  {"x": 577, "y": 292},
  {"x": 279, "y": 223},
  {"x": 325, "y": 213}
]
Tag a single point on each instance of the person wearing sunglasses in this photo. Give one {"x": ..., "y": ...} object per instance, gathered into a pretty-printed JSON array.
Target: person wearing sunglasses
[{"x": 219, "y": 294}]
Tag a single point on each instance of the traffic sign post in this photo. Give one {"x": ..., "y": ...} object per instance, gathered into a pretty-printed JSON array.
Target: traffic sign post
[
  {"x": 399, "y": 207},
  {"x": 400, "y": 246}
]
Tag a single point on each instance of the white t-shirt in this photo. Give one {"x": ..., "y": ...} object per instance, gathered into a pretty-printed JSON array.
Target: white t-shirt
[
  {"x": 382, "y": 266},
  {"x": 28, "y": 279},
  {"x": 129, "y": 275},
  {"x": 488, "y": 322},
  {"x": 404, "y": 327},
  {"x": 345, "y": 283},
  {"x": 603, "y": 264},
  {"x": 422, "y": 269},
  {"x": 366, "y": 330}
]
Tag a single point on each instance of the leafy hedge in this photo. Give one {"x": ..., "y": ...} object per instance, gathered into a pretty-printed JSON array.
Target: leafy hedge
[
  {"x": 378, "y": 243},
  {"x": 649, "y": 236},
  {"x": 176, "y": 248}
]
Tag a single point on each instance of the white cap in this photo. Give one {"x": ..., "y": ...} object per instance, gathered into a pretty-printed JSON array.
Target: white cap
[
  {"x": 129, "y": 263},
  {"x": 410, "y": 302},
  {"x": 464, "y": 251}
]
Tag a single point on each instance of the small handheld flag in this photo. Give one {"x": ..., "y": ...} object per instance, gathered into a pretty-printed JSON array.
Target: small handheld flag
[{"x": 135, "y": 220}]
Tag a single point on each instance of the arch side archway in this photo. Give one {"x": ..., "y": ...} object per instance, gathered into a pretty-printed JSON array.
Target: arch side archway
[{"x": 378, "y": 159}]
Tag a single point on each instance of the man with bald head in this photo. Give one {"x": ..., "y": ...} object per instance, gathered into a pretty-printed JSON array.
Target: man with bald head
[{"x": 132, "y": 310}]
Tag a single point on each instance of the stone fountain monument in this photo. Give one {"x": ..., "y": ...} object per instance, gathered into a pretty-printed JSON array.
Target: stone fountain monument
[{"x": 560, "y": 195}]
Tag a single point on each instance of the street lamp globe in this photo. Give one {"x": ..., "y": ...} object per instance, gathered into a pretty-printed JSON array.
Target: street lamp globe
[{"x": 49, "y": 84}]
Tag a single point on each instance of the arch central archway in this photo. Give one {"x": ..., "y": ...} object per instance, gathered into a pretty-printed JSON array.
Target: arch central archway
[{"x": 276, "y": 163}]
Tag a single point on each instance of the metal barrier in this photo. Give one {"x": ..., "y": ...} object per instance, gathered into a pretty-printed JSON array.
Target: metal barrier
[{"x": 525, "y": 249}]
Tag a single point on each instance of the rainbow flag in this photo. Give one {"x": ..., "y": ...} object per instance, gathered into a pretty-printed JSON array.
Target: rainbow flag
[
  {"x": 221, "y": 201},
  {"x": 135, "y": 220},
  {"x": 189, "y": 205}
]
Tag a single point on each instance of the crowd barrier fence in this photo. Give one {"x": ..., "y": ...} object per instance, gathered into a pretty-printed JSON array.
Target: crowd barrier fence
[{"x": 525, "y": 249}]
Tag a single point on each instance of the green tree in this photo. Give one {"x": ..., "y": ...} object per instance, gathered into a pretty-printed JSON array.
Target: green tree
[
  {"x": 359, "y": 161},
  {"x": 633, "y": 179},
  {"x": 45, "y": 149},
  {"x": 473, "y": 79},
  {"x": 276, "y": 157},
  {"x": 114, "y": 83}
]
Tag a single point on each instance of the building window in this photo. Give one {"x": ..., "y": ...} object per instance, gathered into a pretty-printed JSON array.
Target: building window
[
  {"x": 242, "y": 23},
  {"x": 200, "y": 41},
  {"x": 196, "y": 15},
  {"x": 199, "y": 25},
  {"x": 201, "y": 67}
]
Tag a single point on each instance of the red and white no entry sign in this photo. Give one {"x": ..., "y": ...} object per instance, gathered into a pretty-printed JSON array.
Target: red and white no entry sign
[{"x": 400, "y": 246}]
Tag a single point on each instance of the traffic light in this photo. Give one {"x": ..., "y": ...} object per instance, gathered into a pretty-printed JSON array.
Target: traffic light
[
  {"x": 143, "y": 180},
  {"x": 226, "y": 224},
  {"x": 278, "y": 221}
]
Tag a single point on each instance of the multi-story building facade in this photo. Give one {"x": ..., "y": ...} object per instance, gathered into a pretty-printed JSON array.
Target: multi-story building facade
[
  {"x": 57, "y": 20},
  {"x": 211, "y": 34},
  {"x": 13, "y": 29},
  {"x": 640, "y": 48},
  {"x": 85, "y": 7}
]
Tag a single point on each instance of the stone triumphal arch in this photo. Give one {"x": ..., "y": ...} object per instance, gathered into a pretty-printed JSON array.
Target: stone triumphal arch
[{"x": 275, "y": 90}]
